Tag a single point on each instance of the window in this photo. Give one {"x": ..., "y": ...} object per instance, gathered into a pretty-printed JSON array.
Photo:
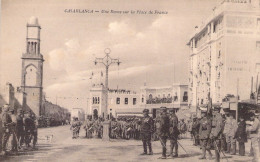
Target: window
[
  {"x": 98, "y": 100},
  {"x": 93, "y": 100},
  {"x": 134, "y": 101},
  {"x": 126, "y": 101},
  {"x": 142, "y": 100},
  {"x": 118, "y": 100},
  {"x": 185, "y": 96}
]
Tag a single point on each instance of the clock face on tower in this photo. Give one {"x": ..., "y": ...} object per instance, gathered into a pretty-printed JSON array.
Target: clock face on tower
[{"x": 30, "y": 76}]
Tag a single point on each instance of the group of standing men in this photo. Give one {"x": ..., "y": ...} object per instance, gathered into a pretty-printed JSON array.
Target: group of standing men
[
  {"x": 21, "y": 127},
  {"x": 166, "y": 128},
  {"x": 214, "y": 131}
]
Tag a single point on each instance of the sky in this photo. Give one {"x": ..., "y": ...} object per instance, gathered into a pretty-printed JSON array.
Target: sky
[{"x": 151, "y": 47}]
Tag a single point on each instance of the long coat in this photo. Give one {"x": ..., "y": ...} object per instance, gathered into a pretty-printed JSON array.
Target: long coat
[
  {"x": 205, "y": 128},
  {"x": 241, "y": 134},
  {"x": 164, "y": 125}
]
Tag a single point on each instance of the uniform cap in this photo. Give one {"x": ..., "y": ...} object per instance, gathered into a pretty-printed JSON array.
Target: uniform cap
[{"x": 145, "y": 110}]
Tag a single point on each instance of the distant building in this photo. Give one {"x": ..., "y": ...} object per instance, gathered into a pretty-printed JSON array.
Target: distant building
[
  {"x": 79, "y": 113},
  {"x": 123, "y": 102},
  {"x": 225, "y": 53}
]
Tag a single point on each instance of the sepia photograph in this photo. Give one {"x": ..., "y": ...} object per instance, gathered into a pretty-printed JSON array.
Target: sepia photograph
[{"x": 130, "y": 80}]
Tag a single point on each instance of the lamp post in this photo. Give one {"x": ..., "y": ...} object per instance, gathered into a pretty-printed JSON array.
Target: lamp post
[{"x": 106, "y": 61}]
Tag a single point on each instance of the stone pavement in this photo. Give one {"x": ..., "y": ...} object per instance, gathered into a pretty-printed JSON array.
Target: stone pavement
[{"x": 63, "y": 148}]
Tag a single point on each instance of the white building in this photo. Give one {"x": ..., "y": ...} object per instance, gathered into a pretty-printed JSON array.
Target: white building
[
  {"x": 225, "y": 52},
  {"x": 79, "y": 113},
  {"x": 124, "y": 102}
]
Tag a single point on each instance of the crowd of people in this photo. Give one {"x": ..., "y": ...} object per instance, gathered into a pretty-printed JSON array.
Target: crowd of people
[
  {"x": 17, "y": 131},
  {"x": 212, "y": 131},
  {"x": 119, "y": 128},
  {"x": 222, "y": 133}
]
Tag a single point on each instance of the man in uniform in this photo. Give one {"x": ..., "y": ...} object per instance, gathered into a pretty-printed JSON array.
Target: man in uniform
[
  {"x": 163, "y": 130},
  {"x": 6, "y": 123},
  {"x": 195, "y": 131},
  {"x": 13, "y": 131},
  {"x": 1, "y": 129},
  {"x": 146, "y": 132},
  {"x": 20, "y": 128},
  {"x": 173, "y": 133},
  {"x": 253, "y": 128},
  {"x": 216, "y": 131},
  {"x": 204, "y": 133},
  {"x": 34, "y": 129},
  {"x": 230, "y": 134}
]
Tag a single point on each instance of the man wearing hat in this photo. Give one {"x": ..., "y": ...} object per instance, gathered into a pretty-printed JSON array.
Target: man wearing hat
[
  {"x": 164, "y": 130},
  {"x": 13, "y": 131},
  {"x": 216, "y": 131},
  {"x": 230, "y": 134},
  {"x": 146, "y": 132},
  {"x": 253, "y": 129},
  {"x": 204, "y": 133},
  {"x": 174, "y": 133},
  {"x": 20, "y": 127},
  {"x": 195, "y": 130},
  {"x": 6, "y": 123}
]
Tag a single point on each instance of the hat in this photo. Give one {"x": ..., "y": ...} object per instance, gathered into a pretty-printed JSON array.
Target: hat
[{"x": 145, "y": 110}]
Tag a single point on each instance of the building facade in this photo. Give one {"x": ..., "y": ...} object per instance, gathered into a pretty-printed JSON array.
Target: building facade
[
  {"x": 123, "y": 102},
  {"x": 32, "y": 68},
  {"x": 78, "y": 113},
  {"x": 225, "y": 53}
]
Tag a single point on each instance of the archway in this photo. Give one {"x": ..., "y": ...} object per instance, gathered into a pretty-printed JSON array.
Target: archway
[{"x": 95, "y": 114}]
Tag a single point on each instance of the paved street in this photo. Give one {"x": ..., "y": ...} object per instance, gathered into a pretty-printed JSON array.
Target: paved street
[{"x": 62, "y": 148}]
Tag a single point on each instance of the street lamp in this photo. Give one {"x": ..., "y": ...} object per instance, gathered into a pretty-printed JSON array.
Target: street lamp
[{"x": 106, "y": 61}]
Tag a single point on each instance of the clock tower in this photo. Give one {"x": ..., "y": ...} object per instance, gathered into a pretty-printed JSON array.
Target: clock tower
[{"x": 32, "y": 69}]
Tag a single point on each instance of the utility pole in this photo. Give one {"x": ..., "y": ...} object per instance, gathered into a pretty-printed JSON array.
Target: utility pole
[{"x": 106, "y": 61}]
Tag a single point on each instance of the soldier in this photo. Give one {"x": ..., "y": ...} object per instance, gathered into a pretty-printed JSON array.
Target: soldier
[
  {"x": 195, "y": 131},
  {"x": 6, "y": 123},
  {"x": 29, "y": 127},
  {"x": 13, "y": 131},
  {"x": 173, "y": 133},
  {"x": 1, "y": 129},
  {"x": 216, "y": 131},
  {"x": 230, "y": 134},
  {"x": 253, "y": 128},
  {"x": 34, "y": 129},
  {"x": 146, "y": 132},
  {"x": 163, "y": 130},
  {"x": 204, "y": 133},
  {"x": 241, "y": 136},
  {"x": 75, "y": 126}
]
